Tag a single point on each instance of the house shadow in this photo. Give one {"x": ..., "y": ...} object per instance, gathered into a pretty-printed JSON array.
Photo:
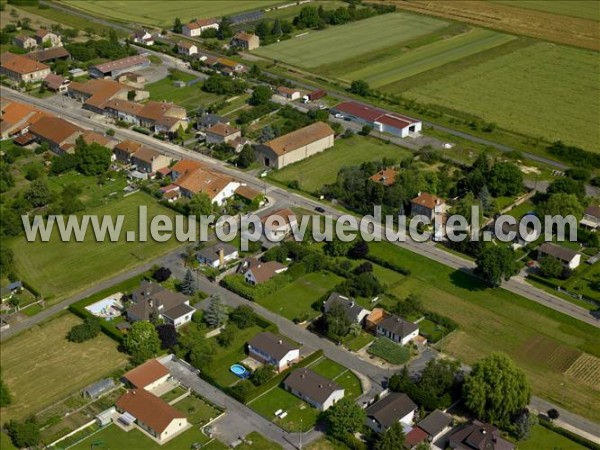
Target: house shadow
[{"x": 465, "y": 279}]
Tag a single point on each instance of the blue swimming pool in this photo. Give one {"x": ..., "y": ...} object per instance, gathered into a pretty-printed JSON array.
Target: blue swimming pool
[{"x": 239, "y": 371}]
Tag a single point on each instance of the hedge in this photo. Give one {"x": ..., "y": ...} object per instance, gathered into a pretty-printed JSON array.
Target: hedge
[
  {"x": 237, "y": 284},
  {"x": 572, "y": 436},
  {"x": 387, "y": 264},
  {"x": 548, "y": 283}
]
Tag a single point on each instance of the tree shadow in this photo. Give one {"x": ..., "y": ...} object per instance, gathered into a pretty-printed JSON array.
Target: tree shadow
[{"x": 464, "y": 279}]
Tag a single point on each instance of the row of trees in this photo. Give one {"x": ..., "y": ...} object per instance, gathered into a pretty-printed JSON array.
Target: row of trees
[{"x": 320, "y": 18}]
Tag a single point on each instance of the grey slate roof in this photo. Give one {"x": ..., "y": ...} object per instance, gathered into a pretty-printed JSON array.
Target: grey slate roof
[
  {"x": 391, "y": 408},
  {"x": 435, "y": 422},
  {"x": 557, "y": 251},
  {"x": 178, "y": 311},
  {"x": 311, "y": 385},
  {"x": 271, "y": 344},
  {"x": 352, "y": 308},
  {"x": 211, "y": 254},
  {"x": 398, "y": 326}
]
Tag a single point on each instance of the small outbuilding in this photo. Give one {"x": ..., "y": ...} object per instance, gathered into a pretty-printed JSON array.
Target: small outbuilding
[{"x": 95, "y": 390}]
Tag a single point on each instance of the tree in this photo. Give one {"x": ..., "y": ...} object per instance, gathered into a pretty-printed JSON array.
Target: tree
[
  {"x": 553, "y": 414},
  {"x": 38, "y": 194},
  {"x": 188, "y": 285},
  {"x": 92, "y": 159},
  {"x": 360, "y": 87},
  {"x": 495, "y": 264},
  {"x": 337, "y": 247},
  {"x": 439, "y": 377},
  {"x": 243, "y": 316},
  {"x": 246, "y": 157},
  {"x": 392, "y": 439},
  {"x": 496, "y": 389},
  {"x": 226, "y": 336},
  {"x": 263, "y": 29},
  {"x": 366, "y": 130},
  {"x": 225, "y": 31},
  {"x": 561, "y": 204},
  {"x": 343, "y": 418},
  {"x": 202, "y": 353},
  {"x": 177, "y": 26},
  {"x": 167, "y": 335},
  {"x": 200, "y": 205},
  {"x": 485, "y": 199},
  {"x": 338, "y": 322},
  {"x": 89, "y": 329},
  {"x": 276, "y": 30},
  {"x": 14, "y": 302},
  {"x": 359, "y": 250},
  {"x": 69, "y": 199},
  {"x": 142, "y": 341},
  {"x": 260, "y": 95},
  {"x": 464, "y": 205},
  {"x": 505, "y": 179},
  {"x": 162, "y": 274},
  {"x": 567, "y": 186},
  {"x": 551, "y": 267},
  {"x": 261, "y": 375},
  {"x": 5, "y": 397},
  {"x": 215, "y": 316},
  {"x": 522, "y": 424},
  {"x": 24, "y": 434}
]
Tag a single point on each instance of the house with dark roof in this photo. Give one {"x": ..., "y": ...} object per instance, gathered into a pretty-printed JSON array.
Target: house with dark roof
[
  {"x": 393, "y": 408},
  {"x": 151, "y": 414},
  {"x": 268, "y": 348},
  {"x": 354, "y": 312},
  {"x": 257, "y": 272},
  {"x": 49, "y": 54},
  {"x": 570, "y": 259},
  {"x": 151, "y": 299},
  {"x": 397, "y": 329},
  {"x": 436, "y": 424},
  {"x": 478, "y": 435},
  {"x": 209, "y": 120},
  {"x": 217, "y": 255},
  {"x": 314, "y": 389},
  {"x": 591, "y": 218},
  {"x": 296, "y": 146}
]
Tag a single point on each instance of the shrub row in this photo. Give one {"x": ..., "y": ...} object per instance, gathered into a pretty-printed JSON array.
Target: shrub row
[
  {"x": 444, "y": 321},
  {"x": 238, "y": 284},
  {"x": 105, "y": 325},
  {"x": 553, "y": 285},
  {"x": 387, "y": 264}
]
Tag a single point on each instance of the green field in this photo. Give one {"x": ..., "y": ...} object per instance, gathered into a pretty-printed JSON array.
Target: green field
[
  {"x": 295, "y": 299},
  {"x": 151, "y": 12},
  {"x": 321, "y": 169},
  {"x": 339, "y": 43},
  {"x": 559, "y": 83},
  {"x": 542, "y": 438},
  {"x": 544, "y": 343},
  {"x": 40, "y": 367},
  {"x": 407, "y": 64},
  {"x": 58, "y": 269},
  {"x": 190, "y": 97},
  {"x": 585, "y": 9}
]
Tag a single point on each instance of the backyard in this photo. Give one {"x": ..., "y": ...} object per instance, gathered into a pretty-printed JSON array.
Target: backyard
[
  {"x": 190, "y": 97},
  {"x": 318, "y": 170},
  {"x": 40, "y": 367},
  {"x": 88, "y": 262},
  {"x": 197, "y": 411},
  {"x": 544, "y": 343}
]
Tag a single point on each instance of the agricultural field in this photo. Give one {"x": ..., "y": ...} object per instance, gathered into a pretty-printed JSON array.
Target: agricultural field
[
  {"x": 584, "y": 9},
  {"x": 407, "y": 64},
  {"x": 339, "y": 43},
  {"x": 190, "y": 97},
  {"x": 87, "y": 262},
  {"x": 314, "y": 172},
  {"x": 535, "y": 78},
  {"x": 40, "y": 367},
  {"x": 150, "y": 12},
  {"x": 496, "y": 320}
]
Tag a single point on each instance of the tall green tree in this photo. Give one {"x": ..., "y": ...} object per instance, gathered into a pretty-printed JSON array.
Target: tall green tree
[
  {"x": 177, "y": 26},
  {"x": 202, "y": 353},
  {"x": 92, "y": 159},
  {"x": 142, "y": 341},
  {"x": 216, "y": 315},
  {"x": 343, "y": 418},
  {"x": 39, "y": 193},
  {"x": 246, "y": 157},
  {"x": 225, "y": 31},
  {"x": 496, "y": 389},
  {"x": 200, "y": 205},
  {"x": 561, "y": 204},
  {"x": 496, "y": 263},
  {"x": 392, "y": 439},
  {"x": 505, "y": 179},
  {"x": 188, "y": 285},
  {"x": 260, "y": 95},
  {"x": 338, "y": 323},
  {"x": 551, "y": 267},
  {"x": 24, "y": 434},
  {"x": 360, "y": 87}
]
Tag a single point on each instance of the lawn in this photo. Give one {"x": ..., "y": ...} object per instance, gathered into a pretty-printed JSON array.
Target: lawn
[
  {"x": 295, "y": 300},
  {"x": 40, "y": 367},
  {"x": 318, "y": 170},
  {"x": 338, "y": 43},
  {"x": 543, "y": 438},
  {"x": 359, "y": 342},
  {"x": 151, "y": 12},
  {"x": 190, "y": 97},
  {"x": 404, "y": 64},
  {"x": 584, "y": 9},
  {"x": 259, "y": 442},
  {"x": 497, "y": 320},
  {"x": 173, "y": 394},
  {"x": 197, "y": 411},
  {"x": 340, "y": 374},
  {"x": 113, "y": 437},
  {"x": 558, "y": 82},
  {"x": 301, "y": 416},
  {"x": 81, "y": 264},
  {"x": 92, "y": 195},
  {"x": 432, "y": 331}
]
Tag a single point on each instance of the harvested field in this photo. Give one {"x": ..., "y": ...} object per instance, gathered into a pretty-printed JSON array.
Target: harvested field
[
  {"x": 585, "y": 9},
  {"x": 587, "y": 369},
  {"x": 545, "y": 351},
  {"x": 543, "y": 25}
]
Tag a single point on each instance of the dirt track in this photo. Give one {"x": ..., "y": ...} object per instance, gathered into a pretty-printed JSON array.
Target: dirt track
[{"x": 551, "y": 27}]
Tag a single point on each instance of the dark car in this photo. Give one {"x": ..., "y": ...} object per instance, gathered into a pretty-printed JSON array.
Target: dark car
[{"x": 320, "y": 209}]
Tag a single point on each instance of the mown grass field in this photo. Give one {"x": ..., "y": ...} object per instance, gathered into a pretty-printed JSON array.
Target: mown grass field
[
  {"x": 340, "y": 374},
  {"x": 190, "y": 97},
  {"x": 584, "y": 9},
  {"x": 313, "y": 173},
  {"x": 58, "y": 269},
  {"x": 542, "y": 438},
  {"x": 406, "y": 64},
  {"x": 162, "y": 14},
  {"x": 497, "y": 320},
  {"x": 559, "y": 83},
  {"x": 40, "y": 367},
  {"x": 338, "y": 43}
]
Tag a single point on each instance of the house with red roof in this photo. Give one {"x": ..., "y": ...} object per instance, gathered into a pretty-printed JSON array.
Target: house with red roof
[
  {"x": 147, "y": 376},
  {"x": 197, "y": 27}
]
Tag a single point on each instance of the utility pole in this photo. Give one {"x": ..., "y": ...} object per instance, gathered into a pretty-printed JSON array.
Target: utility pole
[{"x": 300, "y": 434}]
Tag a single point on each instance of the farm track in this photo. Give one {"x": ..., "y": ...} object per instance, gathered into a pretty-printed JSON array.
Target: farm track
[{"x": 567, "y": 30}]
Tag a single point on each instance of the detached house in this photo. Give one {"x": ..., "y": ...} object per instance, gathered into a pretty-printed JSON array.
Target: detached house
[
  {"x": 217, "y": 255},
  {"x": 427, "y": 205},
  {"x": 245, "y": 41},
  {"x": 397, "y": 329},
  {"x": 152, "y": 299},
  {"x": 591, "y": 218},
  {"x": 142, "y": 37},
  {"x": 278, "y": 224},
  {"x": 570, "y": 259},
  {"x": 148, "y": 376},
  {"x": 436, "y": 424},
  {"x": 195, "y": 28},
  {"x": 314, "y": 389},
  {"x": 257, "y": 272},
  {"x": 19, "y": 68},
  {"x": 288, "y": 93},
  {"x": 354, "y": 312},
  {"x": 477, "y": 435},
  {"x": 268, "y": 348},
  {"x": 25, "y": 42},
  {"x": 58, "y": 133},
  {"x": 216, "y": 186},
  {"x": 386, "y": 177},
  {"x": 187, "y": 48},
  {"x": 391, "y": 409},
  {"x": 46, "y": 38}
]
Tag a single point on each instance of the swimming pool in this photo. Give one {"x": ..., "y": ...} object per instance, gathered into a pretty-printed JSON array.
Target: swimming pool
[
  {"x": 239, "y": 370},
  {"x": 107, "y": 308}
]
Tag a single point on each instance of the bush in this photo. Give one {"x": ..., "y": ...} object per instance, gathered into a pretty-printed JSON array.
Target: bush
[
  {"x": 243, "y": 316},
  {"x": 389, "y": 351},
  {"x": 89, "y": 329},
  {"x": 261, "y": 375}
]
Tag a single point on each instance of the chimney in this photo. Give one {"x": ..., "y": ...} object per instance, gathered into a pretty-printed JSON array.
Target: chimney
[
  {"x": 221, "y": 256},
  {"x": 419, "y": 194}
]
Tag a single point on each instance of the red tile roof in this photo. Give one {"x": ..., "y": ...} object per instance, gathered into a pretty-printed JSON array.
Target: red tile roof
[
  {"x": 20, "y": 64},
  {"x": 300, "y": 138},
  {"x": 428, "y": 200},
  {"x": 54, "y": 129},
  {"x": 414, "y": 437},
  {"x": 385, "y": 176},
  {"x": 149, "y": 409},
  {"x": 146, "y": 374},
  {"x": 364, "y": 112},
  {"x": 223, "y": 130}
]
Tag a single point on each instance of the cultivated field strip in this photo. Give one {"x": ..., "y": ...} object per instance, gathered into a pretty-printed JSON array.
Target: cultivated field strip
[{"x": 587, "y": 369}]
